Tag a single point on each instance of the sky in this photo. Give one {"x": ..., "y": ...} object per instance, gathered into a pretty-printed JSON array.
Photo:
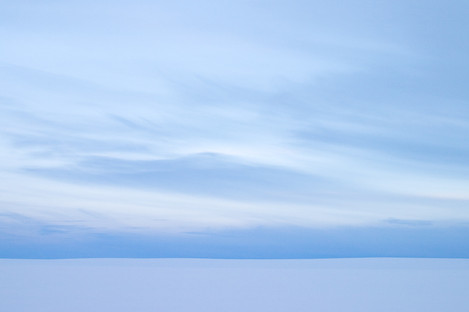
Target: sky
[{"x": 236, "y": 129}]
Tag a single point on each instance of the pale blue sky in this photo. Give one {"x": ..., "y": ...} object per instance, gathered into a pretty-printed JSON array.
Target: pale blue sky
[{"x": 149, "y": 118}]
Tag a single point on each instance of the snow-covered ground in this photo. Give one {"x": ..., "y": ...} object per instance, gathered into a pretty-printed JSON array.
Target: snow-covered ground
[{"x": 166, "y": 285}]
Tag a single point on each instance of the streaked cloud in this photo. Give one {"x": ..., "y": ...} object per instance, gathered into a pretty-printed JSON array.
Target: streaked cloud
[{"x": 151, "y": 116}]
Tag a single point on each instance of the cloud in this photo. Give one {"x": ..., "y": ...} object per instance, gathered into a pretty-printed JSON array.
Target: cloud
[{"x": 306, "y": 114}]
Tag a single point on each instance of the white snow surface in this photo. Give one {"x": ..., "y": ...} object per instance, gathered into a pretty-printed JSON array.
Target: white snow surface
[{"x": 205, "y": 285}]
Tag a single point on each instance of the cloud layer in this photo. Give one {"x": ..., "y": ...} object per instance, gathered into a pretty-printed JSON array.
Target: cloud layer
[{"x": 149, "y": 116}]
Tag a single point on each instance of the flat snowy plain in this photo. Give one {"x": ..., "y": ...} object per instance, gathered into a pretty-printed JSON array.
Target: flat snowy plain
[{"x": 140, "y": 285}]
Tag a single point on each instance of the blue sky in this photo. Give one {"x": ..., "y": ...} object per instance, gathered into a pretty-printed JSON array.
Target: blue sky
[{"x": 302, "y": 122}]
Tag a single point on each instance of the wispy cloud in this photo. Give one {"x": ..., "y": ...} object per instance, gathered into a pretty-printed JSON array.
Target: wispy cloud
[{"x": 304, "y": 114}]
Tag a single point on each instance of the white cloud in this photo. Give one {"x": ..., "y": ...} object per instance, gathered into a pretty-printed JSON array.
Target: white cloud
[{"x": 330, "y": 98}]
